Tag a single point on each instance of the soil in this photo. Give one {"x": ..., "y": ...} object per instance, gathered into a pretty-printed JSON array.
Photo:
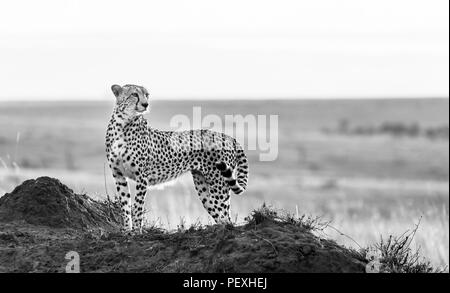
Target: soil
[{"x": 42, "y": 220}]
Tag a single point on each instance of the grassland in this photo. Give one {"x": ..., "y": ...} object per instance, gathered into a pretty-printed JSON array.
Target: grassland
[{"x": 366, "y": 185}]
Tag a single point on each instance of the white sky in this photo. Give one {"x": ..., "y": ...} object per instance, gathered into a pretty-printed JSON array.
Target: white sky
[{"x": 224, "y": 49}]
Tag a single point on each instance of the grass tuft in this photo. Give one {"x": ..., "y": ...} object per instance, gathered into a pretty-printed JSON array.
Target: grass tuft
[
  {"x": 261, "y": 215},
  {"x": 269, "y": 213},
  {"x": 395, "y": 255}
]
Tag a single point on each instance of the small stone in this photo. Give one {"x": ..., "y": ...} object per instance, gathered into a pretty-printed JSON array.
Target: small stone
[{"x": 306, "y": 249}]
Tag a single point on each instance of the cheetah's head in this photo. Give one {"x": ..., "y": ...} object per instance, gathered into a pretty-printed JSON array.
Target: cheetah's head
[{"x": 133, "y": 99}]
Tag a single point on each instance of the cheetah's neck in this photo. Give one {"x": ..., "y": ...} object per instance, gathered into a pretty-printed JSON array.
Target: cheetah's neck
[
  {"x": 116, "y": 129},
  {"x": 118, "y": 126}
]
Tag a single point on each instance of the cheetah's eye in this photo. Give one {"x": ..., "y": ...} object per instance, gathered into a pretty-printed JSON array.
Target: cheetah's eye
[{"x": 135, "y": 95}]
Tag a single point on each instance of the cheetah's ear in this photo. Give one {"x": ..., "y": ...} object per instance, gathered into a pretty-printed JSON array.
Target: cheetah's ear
[{"x": 116, "y": 89}]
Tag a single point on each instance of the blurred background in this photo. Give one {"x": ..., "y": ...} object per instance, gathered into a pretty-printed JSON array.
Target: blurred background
[{"x": 361, "y": 89}]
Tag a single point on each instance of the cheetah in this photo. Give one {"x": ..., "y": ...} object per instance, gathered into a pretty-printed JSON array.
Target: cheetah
[{"x": 136, "y": 151}]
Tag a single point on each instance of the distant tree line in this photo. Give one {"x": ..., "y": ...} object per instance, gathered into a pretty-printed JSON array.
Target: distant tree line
[{"x": 396, "y": 129}]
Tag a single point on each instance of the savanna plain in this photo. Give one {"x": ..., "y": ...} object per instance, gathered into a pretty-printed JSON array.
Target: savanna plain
[{"x": 370, "y": 168}]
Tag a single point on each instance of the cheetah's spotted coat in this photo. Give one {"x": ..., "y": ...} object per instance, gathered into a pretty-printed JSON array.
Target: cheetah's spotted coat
[{"x": 150, "y": 156}]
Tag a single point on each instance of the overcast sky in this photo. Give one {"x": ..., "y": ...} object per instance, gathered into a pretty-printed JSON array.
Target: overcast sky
[{"x": 224, "y": 49}]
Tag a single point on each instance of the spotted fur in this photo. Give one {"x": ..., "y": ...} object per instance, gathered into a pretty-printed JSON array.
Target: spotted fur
[{"x": 150, "y": 156}]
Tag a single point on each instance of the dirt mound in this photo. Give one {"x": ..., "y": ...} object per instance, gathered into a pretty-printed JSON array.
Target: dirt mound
[
  {"x": 29, "y": 241},
  {"x": 269, "y": 247},
  {"x": 46, "y": 201}
]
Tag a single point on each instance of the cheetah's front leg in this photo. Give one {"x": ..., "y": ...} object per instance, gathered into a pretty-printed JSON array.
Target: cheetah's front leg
[
  {"x": 138, "y": 207},
  {"x": 125, "y": 200}
]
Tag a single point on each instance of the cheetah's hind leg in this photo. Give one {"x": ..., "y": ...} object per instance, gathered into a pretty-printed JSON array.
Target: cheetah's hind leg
[{"x": 215, "y": 198}]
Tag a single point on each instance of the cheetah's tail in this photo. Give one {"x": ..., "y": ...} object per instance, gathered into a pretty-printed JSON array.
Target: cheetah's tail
[{"x": 238, "y": 185}]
